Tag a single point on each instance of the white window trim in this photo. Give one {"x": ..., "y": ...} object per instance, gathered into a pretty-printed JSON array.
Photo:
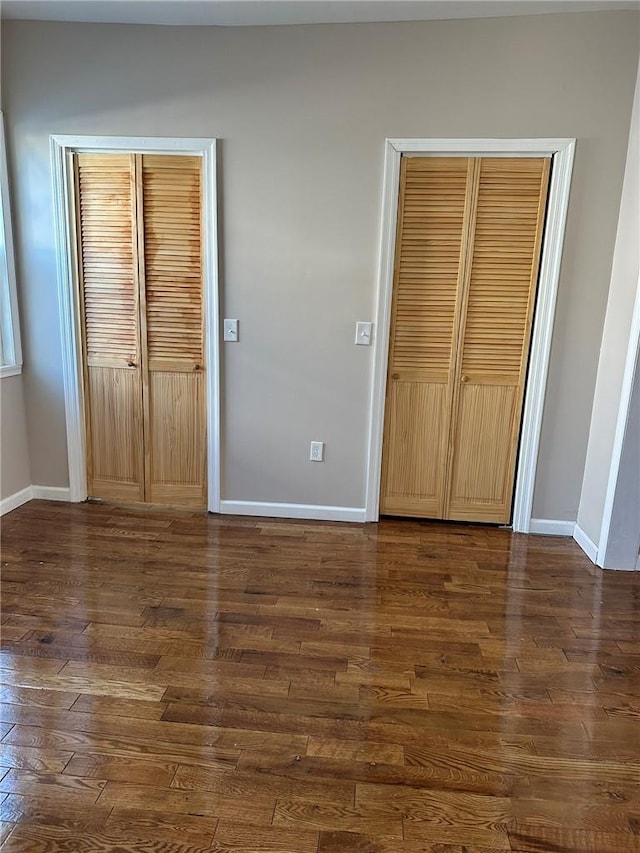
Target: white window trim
[
  {"x": 11, "y": 355},
  {"x": 562, "y": 150},
  {"x": 68, "y": 297}
]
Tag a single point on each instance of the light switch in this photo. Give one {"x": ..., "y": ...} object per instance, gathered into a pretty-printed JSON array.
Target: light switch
[
  {"x": 231, "y": 330},
  {"x": 363, "y": 333}
]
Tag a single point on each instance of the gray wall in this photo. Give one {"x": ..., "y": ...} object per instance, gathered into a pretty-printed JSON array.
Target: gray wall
[
  {"x": 615, "y": 340},
  {"x": 15, "y": 473},
  {"x": 623, "y": 547},
  {"x": 302, "y": 113}
]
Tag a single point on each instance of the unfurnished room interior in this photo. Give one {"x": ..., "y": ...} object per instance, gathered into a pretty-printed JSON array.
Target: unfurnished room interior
[{"x": 320, "y": 426}]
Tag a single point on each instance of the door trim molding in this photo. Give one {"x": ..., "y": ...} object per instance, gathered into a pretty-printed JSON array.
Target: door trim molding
[
  {"x": 562, "y": 151},
  {"x": 632, "y": 363},
  {"x": 68, "y": 295}
]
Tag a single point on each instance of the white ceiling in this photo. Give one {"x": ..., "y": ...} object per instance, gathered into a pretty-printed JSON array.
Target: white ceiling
[{"x": 227, "y": 13}]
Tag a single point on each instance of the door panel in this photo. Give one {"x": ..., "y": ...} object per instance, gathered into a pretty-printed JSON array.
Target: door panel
[
  {"x": 467, "y": 255},
  {"x": 177, "y": 437},
  {"x": 171, "y": 231},
  {"x": 114, "y": 402},
  {"x": 511, "y": 201},
  {"x": 431, "y": 225},
  {"x": 481, "y": 453},
  {"x": 106, "y": 223},
  {"x": 414, "y": 476}
]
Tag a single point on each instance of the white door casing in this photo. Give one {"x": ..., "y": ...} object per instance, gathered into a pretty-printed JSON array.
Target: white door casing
[
  {"x": 62, "y": 147},
  {"x": 562, "y": 152}
]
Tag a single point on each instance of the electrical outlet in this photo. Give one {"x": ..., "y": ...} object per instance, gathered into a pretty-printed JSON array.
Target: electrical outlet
[{"x": 317, "y": 451}]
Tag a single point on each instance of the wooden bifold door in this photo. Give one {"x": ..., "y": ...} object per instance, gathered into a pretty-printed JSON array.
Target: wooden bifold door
[
  {"x": 139, "y": 255},
  {"x": 467, "y": 254}
]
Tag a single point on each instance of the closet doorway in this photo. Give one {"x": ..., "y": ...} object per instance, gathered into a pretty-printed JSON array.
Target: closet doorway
[
  {"x": 466, "y": 271},
  {"x": 464, "y": 237},
  {"x": 136, "y": 223}
]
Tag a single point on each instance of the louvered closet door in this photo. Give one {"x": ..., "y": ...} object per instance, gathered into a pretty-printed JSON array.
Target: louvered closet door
[
  {"x": 467, "y": 256},
  {"x": 433, "y": 219},
  {"x": 170, "y": 230},
  {"x": 492, "y": 366},
  {"x": 106, "y": 223}
]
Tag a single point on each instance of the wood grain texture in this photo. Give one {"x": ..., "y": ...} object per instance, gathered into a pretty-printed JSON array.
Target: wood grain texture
[
  {"x": 106, "y": 222},
  {"x": 185, "y": 683},
  {"x": 480, "y": 476},
  {"x": 467, "y": 255},
  {"x": 494, "y": 348},
  {"x": 433, "y": 210},
  {"x": 114, "y": 397},
  {"x": 177, "y": 438},
  {"x": 414, "y": 473},
  {"x": 171, "y": 189},
  {"x": 109, "y": 289},
  {"x": 140, "y": 270}
]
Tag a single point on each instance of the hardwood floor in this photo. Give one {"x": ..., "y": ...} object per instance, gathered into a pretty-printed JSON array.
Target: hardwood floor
[{"x": 176, "y": 683}]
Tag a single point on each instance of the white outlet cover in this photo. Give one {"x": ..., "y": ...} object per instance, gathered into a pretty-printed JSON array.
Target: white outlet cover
[{"x": 316, "y": 451}]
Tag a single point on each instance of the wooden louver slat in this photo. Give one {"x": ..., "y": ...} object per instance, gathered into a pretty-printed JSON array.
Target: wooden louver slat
[
  {"x": 504, "y": 257},
  {"x": 175, "y": 460},
  {"x": 430, "y": 232},
  {"x": 511, "y": 202},
  {"x": 108, "y": 272},
  {"x": 429, "y": 254},
  {"x": 139, "y": 261},
  {"x": 173, "y": 257},
  {"x": 467, "y": 255},
  {"x": 106, "y": 192}
]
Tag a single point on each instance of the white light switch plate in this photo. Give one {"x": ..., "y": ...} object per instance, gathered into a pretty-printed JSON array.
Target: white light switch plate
[
  {"x": 363, "y": 333},
  {"x": 231, "y": 330}
]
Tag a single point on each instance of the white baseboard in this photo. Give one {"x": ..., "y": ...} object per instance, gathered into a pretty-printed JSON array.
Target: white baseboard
[
  {"x": 51, "y": 493},
  {"x": 45, "y": 493},
  {"x": 551, "y": 527},
  {"x": 15, "y": 500},
  {"x": 315, "y": 512},
  {"x": 588, "y": 546}
]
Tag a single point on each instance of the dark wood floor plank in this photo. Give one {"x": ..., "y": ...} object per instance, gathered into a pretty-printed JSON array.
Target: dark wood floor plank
[
  {"x": 38, "y": 698},
  {"x": 355, "y": 842},
  {"x": 374, "y": 753},
  {"x": 30, "y": 758},
  {"x": 127, "y": 823},
  {"x": 244, "y": 785},
  {"x": 141, "y": 709},
  {"x": 532, "y": 838},
  {"x": 73, "y": 814},
  {"x": 177, "y": 682},
  {"x": 52, "y": 785},
  {"x": 46, "y": 740},
  {"x": 443, "y": 776},
  {"x": 237, "y": 838},
  {"x": 300, "y": 815},
  {"x": 49, "y": 839},
  {"x": 257, "y": 810},
  {"x": 123, "y": 769}
]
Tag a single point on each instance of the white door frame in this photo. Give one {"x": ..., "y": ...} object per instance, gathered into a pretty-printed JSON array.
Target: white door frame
[
  {"x": 69, "y": 296},
  {"x": 562, "y": 151},
  {"x": 632, "y": 363}
]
